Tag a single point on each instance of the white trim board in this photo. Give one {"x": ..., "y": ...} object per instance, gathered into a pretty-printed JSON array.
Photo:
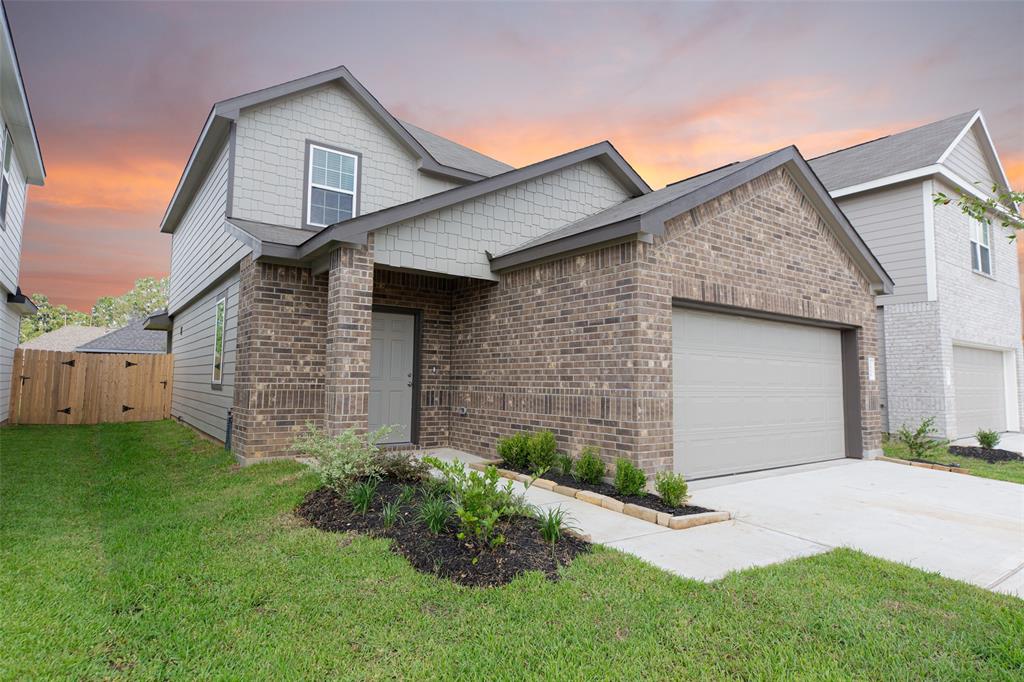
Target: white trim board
[
  {"x": 931, "y": 280},
  {"x": 923, "y": 172},
  {"x": 990, "y": 152}
]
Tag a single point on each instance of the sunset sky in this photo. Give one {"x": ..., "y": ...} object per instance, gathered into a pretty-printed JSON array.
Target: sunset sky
[{"x": 119, "y": 92}]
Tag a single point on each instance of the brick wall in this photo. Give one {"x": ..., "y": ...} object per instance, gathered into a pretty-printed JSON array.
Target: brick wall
[{"x": 281, "y": 351}]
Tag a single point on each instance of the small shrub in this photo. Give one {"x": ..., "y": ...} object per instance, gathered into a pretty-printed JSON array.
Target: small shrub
[
  {"x": 403, "y": 466},
  {"x": 343, "y": 459},
  {"x": 671, "y": 487},
  {"x": 988, "y": 439},
  {"x": 919, "y": 441},
  {"x": 543, "y": 450},
  {"x": 405, "y": 496},
  {"x": 565, "y": 463},
  {"x": 629, "y": 479},
  {"x": 589, "y": 467},
  {"x": 515, "y": 450},
  {"x": 361, "y": 495},
  {"x": 478, "y": 500},
  {"x": 389, "y": 513},
  {"x": 553, "y": 524},
  {"x": 434, "y": 513},
  {"x": 533, "y": 477}
]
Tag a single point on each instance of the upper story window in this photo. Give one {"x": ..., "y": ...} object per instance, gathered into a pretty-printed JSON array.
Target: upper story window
[
  {"x": 7, "y": 152},
  {"x": 981, "y": 247},
  {"x": 333, "y": 182}
]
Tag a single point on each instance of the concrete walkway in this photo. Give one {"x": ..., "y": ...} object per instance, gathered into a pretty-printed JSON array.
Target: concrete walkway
[{"x": 963, "y": 527}]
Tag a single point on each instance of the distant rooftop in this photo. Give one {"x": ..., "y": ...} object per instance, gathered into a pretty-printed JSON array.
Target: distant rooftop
[
  {"x": 132, "y": 338},
  {"x": 67, "y": 338}
]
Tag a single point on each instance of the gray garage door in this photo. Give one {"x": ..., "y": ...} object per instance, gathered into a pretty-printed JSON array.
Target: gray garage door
[
  {"x": 980, "y": 395},
  {"x": 753, "y": 394}
]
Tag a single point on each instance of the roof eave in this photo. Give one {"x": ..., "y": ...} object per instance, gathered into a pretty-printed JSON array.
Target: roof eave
[
  {"x": 22, "y": 303},
  {"x": 575, "y": 242},
  {"x": 20, "y": 122}
]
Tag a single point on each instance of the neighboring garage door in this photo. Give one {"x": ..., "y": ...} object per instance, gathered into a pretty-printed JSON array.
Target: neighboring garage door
[
  {"x": 754, "y": 394},
  {"x": 979, "y": 389}
]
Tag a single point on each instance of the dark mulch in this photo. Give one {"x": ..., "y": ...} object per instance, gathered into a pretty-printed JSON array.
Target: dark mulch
[
  {"x": 990, "y": 456},
  {"x": 444, "y": 554},
  {"x": 646, "y": 500}
]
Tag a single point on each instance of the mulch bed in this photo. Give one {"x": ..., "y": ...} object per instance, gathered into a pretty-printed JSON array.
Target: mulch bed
[
  {"x": 646, "y": 500},
  {"x": 444, "y": 554},
  {"x": 932, "y": 461},
  {"x": 990, "y": 456}
]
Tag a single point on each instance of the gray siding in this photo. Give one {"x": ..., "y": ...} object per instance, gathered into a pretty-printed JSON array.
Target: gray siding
[
  {"x": 10, "y": 235},
  {"x": 10, "y": 323},
  {"x": 195, "y": 400},
  {"x": 201, "y": 252},
  {"x": 968, "y": 161},
  {"x": 891, "y": 222}
]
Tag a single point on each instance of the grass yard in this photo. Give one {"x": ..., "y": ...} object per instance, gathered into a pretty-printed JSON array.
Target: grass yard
[
  {"x": 1000, "y": 471},
  {"x": 139, "y": 551}
]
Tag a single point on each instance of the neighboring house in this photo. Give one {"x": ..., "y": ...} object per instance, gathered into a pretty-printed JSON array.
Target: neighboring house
[
  {"x": 952, "y": 325},
  {"x": 67, "y": 338},
  {"x": 131, "y": 338},
  {"x": 334, "y": 265},
  {"x": 22, "y": 165}
]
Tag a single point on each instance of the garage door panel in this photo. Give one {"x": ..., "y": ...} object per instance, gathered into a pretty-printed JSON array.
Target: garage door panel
[
  {"x": 978, "y": 385},
  {"x": 754, "y": 394}
]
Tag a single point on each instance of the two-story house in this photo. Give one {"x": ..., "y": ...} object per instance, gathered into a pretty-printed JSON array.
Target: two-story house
[
  {"x": 22, "y": 166},
  {"x": 952, "y": 325},
  {"x": 332, "y": 264}
]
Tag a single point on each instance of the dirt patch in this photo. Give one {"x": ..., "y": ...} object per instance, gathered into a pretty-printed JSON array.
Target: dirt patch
[
  {"x": 646, "y": 500},
  {"x": 444, "y": 554},
  {"x": 990, "y": 456}
]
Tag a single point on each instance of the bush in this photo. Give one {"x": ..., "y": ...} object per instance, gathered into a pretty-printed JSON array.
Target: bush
[
  {"x": 478, "y": 500},
  {"x": 515, "y": 450},
  {"x": 361, "y": 495},
  {"x": 565, "y": 463},
  {"x": 389, "y": 513},
  {"x": 671, "y": 487},
  {"x": 404, "y": 466},
  {"x": 919, "y": 441},
  {"x": 344, "y": 459},
  {"x": 589, "y": 467},
  {"x": 434, "y": 513},
  {"x": 987, "y": 439},
  {"x": 629, "y": 479},
  {"x": 543, "y": 450}
]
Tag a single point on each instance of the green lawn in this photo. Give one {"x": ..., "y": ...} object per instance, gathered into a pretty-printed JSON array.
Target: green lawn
[
  {"x": 138, "y": 551},
  {"x": 1000, "y": 471}
]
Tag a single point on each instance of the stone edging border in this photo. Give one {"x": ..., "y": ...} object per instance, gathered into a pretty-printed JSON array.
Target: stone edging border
[
  {"x": 610, "y": 503},
  {"x": 923, "y": 465}
]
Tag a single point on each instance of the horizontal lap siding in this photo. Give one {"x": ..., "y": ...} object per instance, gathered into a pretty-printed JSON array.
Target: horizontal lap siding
[
  {"x": 968, "y": 161},
  {"x": 9, "y": 325},
  {"x": 201, "y": 251},
  {"x": 196, "y": 401},
  {"x": 891, "y": 222},
  {"x": 10, "y": 235}
]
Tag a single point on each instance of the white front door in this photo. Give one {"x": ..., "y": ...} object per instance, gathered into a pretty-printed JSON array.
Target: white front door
[{"x": 391, "y": 369}]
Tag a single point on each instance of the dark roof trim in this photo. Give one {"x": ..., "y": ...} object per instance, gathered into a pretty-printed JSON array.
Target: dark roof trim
[
  {"x": 653, "y": 220},
  {"x": 356, "y": 229},
  {"x": 157, "y": 321},
  {"x": 22, "y": 303},
  {"x": 224, "y": 112}
]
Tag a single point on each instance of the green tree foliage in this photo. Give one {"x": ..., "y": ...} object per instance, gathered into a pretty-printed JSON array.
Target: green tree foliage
[
  {"x": 48, "y": 318},
  {"x": 1001, "y": 204}
]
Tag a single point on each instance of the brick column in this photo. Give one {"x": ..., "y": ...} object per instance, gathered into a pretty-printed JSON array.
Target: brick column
[{"x": 349, "y": 318}]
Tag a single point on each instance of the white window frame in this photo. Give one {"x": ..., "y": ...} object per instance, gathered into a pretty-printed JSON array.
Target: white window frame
[
  {"x": 979, "y": 230},
  {"x": 310, "y": 185},
  {"x": 223, "y": 323},
  {"x": 6, "y": 160}
]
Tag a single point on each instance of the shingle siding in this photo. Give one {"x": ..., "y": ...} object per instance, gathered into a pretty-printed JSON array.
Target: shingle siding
[
  {"x": 201, "y": 252},
  {"x": 196, "y": 400},
  {"x": 453, "y": 240},
  {"x": 11, "y": 234}
]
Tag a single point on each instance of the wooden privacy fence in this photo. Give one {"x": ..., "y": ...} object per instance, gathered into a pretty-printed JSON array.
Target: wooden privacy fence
[{"x": 55, "y": 387}]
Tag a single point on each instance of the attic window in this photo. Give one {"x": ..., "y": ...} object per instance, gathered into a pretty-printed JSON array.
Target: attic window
[
  {"x": 332, "y": 182},
  {"x": 981, "y": 247}
]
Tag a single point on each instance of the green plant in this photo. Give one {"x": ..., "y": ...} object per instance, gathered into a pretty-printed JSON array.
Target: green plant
[
  {"x": 361, "y": 495},
  {"x": 434, "y": 513},
  {"x": 514, "y": 450},
  {"x": 919, "y": 441},
  {"x": 407, "y": 493},
  {"x": 671, "y": 487},
  {"x": 403, "y": 466},
  {"x": 553, "y": 524},
  {"x": 389, "y": 513},
  {"x": 589, "y": 467},
  {"x": 629, "y": 479},
  {"x": 478, "y": 500},
  {"x": 344, "y": 459},
  {"x": 533, "y": 477},
  {"x": 543, "y": 450},
  {"x": 988, "y": 439},
  {"x": 565, "y": 463}
]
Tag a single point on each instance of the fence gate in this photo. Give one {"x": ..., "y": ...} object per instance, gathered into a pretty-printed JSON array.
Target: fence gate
[{"x": 55, "y": 387}]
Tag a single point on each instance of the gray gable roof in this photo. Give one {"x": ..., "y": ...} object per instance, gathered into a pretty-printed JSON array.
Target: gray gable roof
[
  {"x": 132, "y": 338},
  {"x": 897, "y": 153},
  {"x": 453, "y": 154},
  {"x": 647, "y": 214},
  {"x": 67, "y": 338}
]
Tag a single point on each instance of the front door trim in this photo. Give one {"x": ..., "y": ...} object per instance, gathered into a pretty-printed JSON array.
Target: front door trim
[{"x": 417, "y": 333}]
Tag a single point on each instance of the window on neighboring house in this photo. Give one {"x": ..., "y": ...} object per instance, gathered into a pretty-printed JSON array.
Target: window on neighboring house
[
  {"x": 981, "y": 247},
  {"x": 218, "y": 342},
  {"x": 7, "y": 147},
  {"x": 331, "y": 194}
]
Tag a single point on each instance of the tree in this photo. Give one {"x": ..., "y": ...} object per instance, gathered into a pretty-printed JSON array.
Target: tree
[
  {"x": 148, "y": 294},
  {"x": 48, "y": 318},
  {"x": 1002, "y": 204}
]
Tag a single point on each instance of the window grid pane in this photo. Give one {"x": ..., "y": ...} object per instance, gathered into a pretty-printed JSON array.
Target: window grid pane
[
  {"x": 332, "y": 186},
  {"x": 974, "y": 255},
  {"x": 986, "y": 260}
]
